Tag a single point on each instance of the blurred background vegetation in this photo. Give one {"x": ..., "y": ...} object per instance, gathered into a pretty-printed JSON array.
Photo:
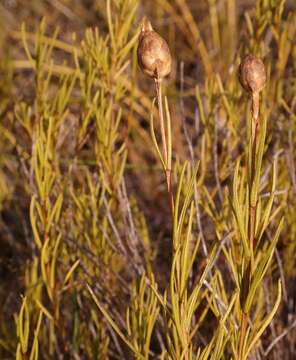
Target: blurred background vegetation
[{"x": 82, "y": 195}]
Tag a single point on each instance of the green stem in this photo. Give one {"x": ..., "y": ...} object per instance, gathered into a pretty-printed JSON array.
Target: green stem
[
  {"x": 246, "y": 282},
  {"x": 168, "y": 170}
]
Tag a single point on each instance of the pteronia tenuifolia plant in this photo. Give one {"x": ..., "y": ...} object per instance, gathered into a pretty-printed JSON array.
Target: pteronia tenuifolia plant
[
  {"x": 155, "y": 60},
  {"x": 253, "y": 218}
]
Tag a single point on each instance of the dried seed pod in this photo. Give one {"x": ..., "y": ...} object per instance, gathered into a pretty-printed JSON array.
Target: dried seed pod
[
  {"x": 154, "y": 55},
  {"x": 252, "y": 75}
]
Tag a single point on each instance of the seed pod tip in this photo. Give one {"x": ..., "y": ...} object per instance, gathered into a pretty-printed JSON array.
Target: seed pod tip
[
  {"x": 252, "y": 74},
  {"x": 154, "y": 55}
]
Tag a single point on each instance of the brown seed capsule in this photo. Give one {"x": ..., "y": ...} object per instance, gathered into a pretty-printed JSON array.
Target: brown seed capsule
[
  {"x": 252, "y": 75},
  {"x": 153, "y": 53}
]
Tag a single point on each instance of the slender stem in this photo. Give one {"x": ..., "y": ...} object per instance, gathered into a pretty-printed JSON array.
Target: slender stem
[
  {"x": 253, "y": 207},
  {"x": 246, "y": 282},
  {"x": 255, "y": 106},
  {"x": 158, "y": 83},
  {"x": 168, "y": 170}
]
